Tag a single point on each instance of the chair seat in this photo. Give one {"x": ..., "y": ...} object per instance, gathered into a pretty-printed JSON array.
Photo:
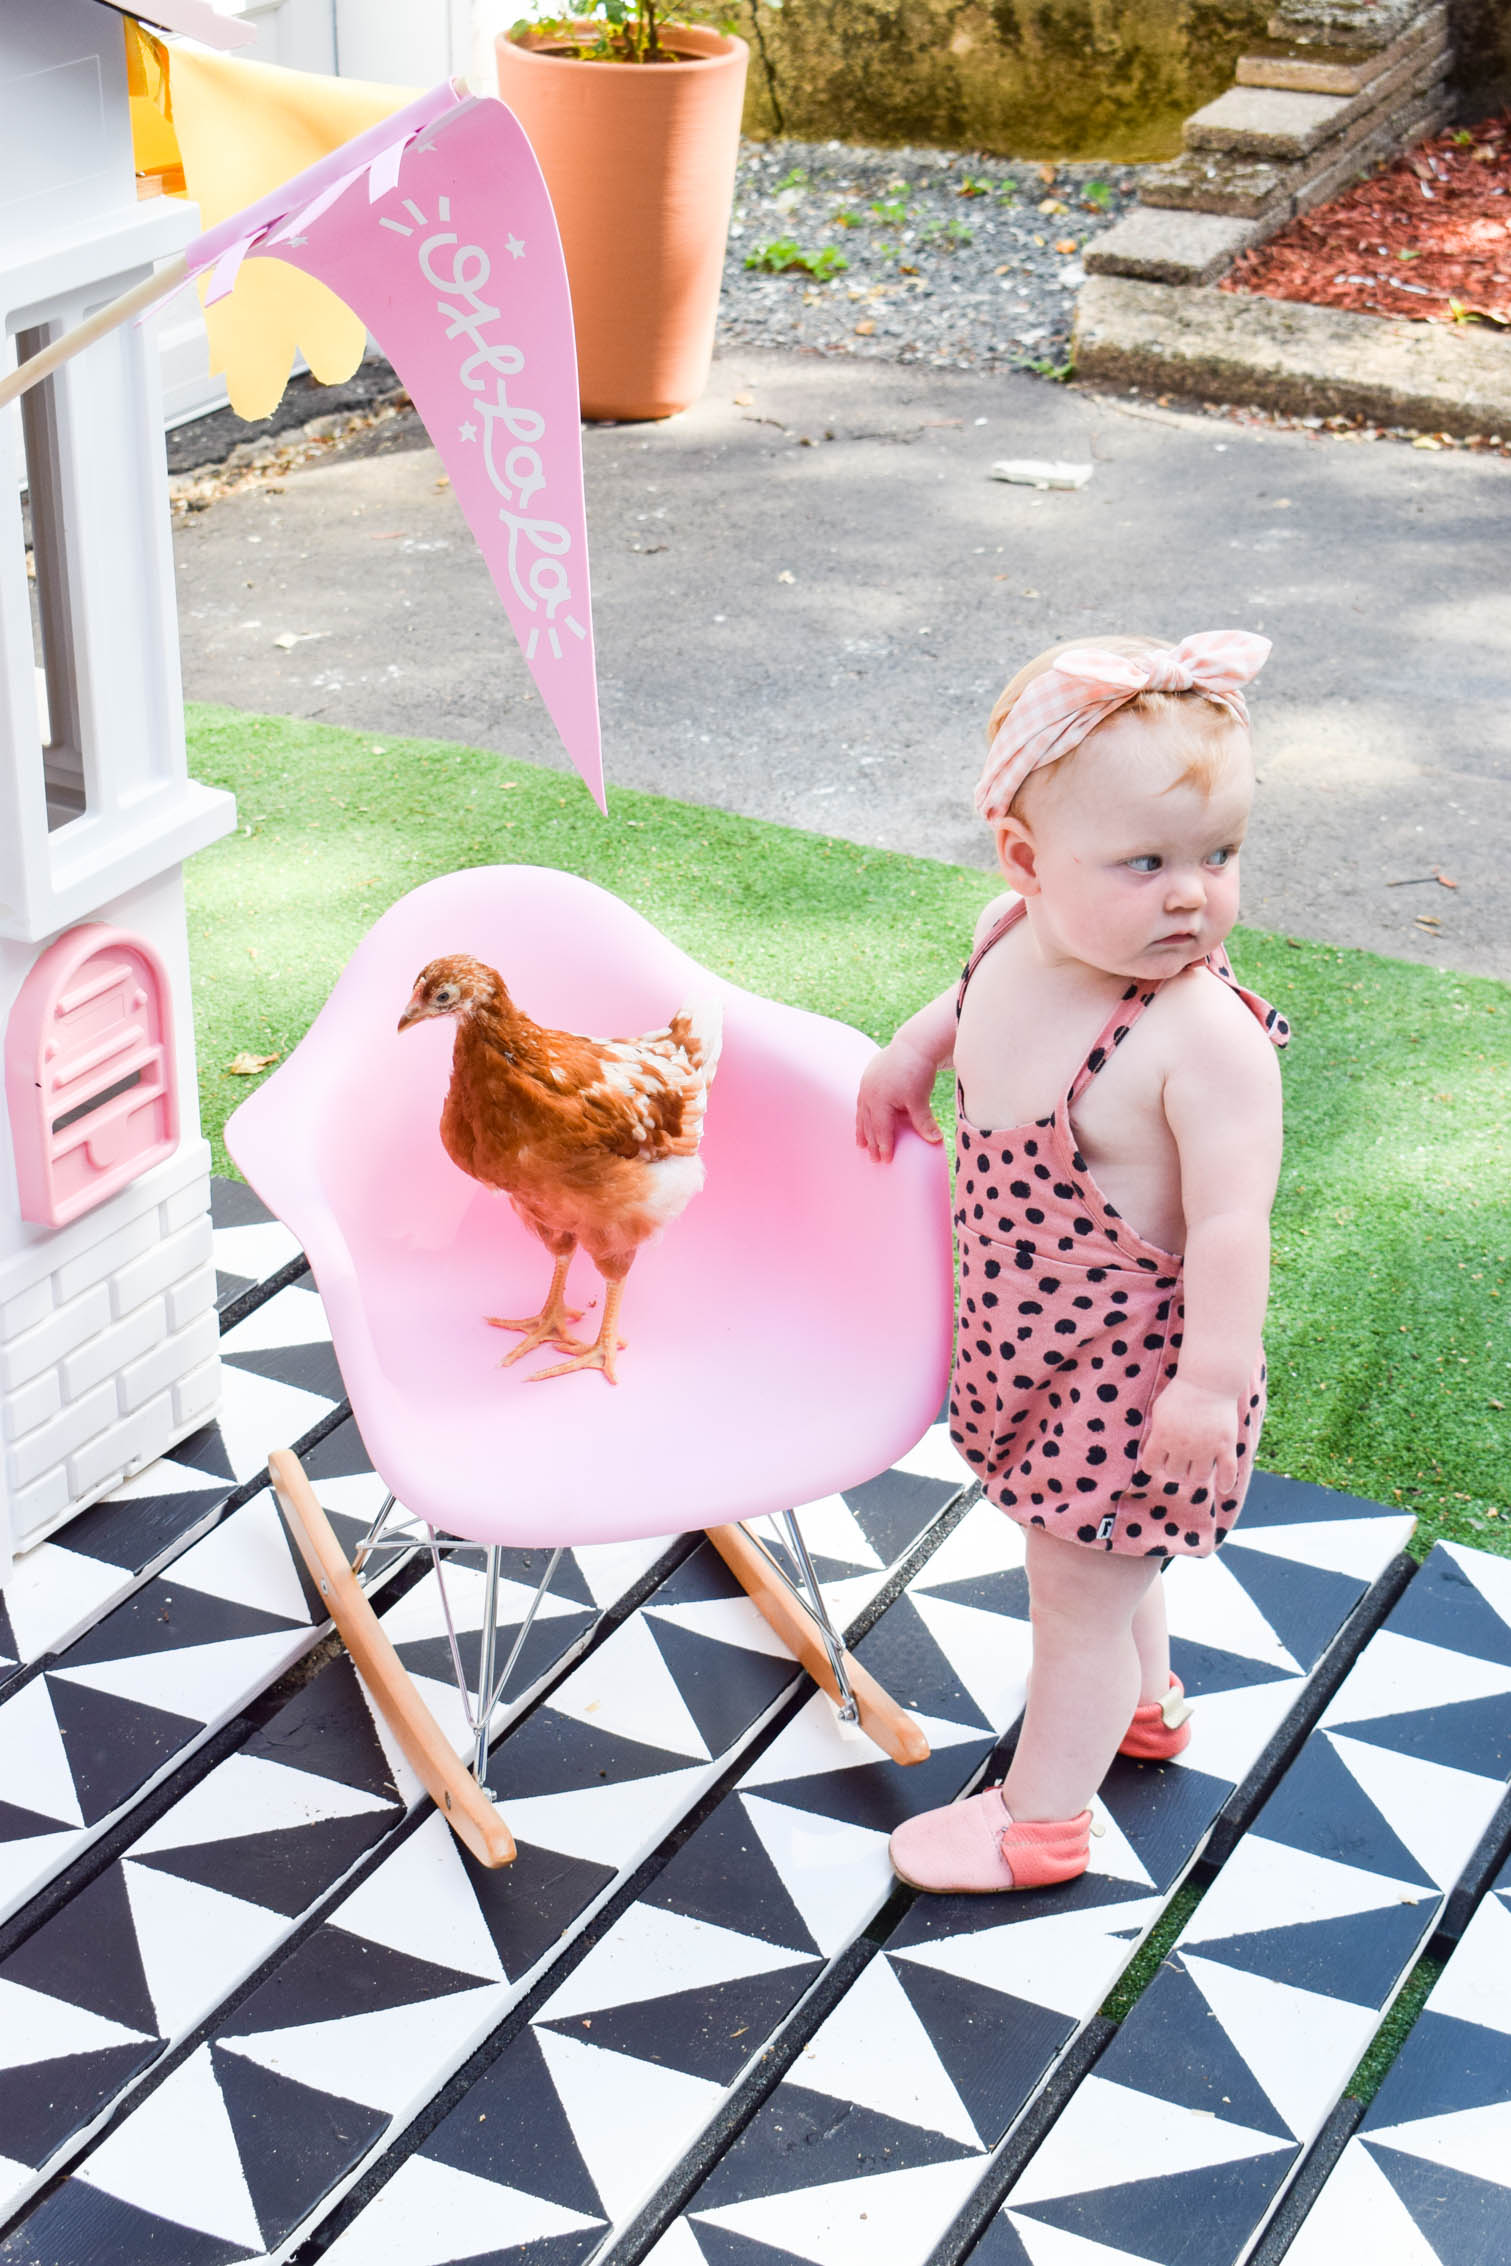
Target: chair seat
[{"x": 788, "y": 1337}]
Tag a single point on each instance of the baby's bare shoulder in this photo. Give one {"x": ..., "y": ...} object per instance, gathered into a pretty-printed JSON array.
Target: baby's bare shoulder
[
  {"x": 989, "y": 915},
  {"x": 1204, "y": 1024}
]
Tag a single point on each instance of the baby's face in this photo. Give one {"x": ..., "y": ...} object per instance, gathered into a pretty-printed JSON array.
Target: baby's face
[{"x": 1134, "y": 875}]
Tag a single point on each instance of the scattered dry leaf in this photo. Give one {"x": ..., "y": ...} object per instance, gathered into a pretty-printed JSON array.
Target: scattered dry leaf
[
  {"x": 865, "y": 329},
  {"x": 248, "y": 1065},
  {"x": 1065, "y": 244},
  {"x": 744, "y": 400}
]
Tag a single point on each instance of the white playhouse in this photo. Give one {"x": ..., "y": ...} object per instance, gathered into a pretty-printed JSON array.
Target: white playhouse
[{"x": 107, "y": 1294}]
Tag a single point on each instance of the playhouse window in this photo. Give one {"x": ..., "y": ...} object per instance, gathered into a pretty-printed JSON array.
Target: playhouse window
[
  {"x": 89, "y": 1072},
  {"x": 51, "y": 612}
]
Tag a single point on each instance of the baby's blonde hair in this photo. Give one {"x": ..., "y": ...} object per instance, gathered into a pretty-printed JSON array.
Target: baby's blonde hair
[{"x": 1200, "y": 726}]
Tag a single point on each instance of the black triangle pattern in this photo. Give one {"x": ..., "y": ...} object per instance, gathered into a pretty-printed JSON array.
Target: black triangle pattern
[
  {"x": 725, "y": 1687},
  {"x": 1273, "y": 1501},
  {"x": 1464, "y": 2219},
  {"x": 933, "y": 1919},
  {"x": 553, "y": 1753},
  {"x": 283, "y": 1871},
  {"x": 1472, "y": 1735},
  {"x": 893, "y": 1509},
  {"x": 1178, "y": 2219},
  {"x": 327, "y": 1729},
  {"x": 131, "y": 1531},
  {"x": 512, "y": 2129},
  {"x": 1320, "y": 1806},
  {"x": 17, "y": 1824},
  {"x": 332, "y": 1974},
  {"x": 1001, "y": 2245},
  {"x": 710, "y": 2032},
  {"x": 320, "y": 2138},
  {"x": 1446, "y": 2066},
  {"x": 880, "y": 1795},
  {"x": 87, "y": 1954},
  {"x": 1162, "y": 1814},
  {"x": 1208, "y": 1668},
  {"x": 788, "y": 2145},
  {"x": 1306, "y": 1606},
  {"x": 1359, "y": 1957},
  {"x": 308, "y": 1368},
  {"x": 721, "y": 2246},
  {"x": 905, "y": 1658},
  {"x": 722, "y": 1874},
  {"x": 43, "y": 2104},
  {"x": 1178, "y": 2051},
  {"x": 168, "y": 1616},
  {"x": 994, "y": 2048},
  {"x": 527, "y": 1905},
  {"x": 1442, "y": 1606},
  {"x": 79, "y": 2225},
  {"x": 113, "y": 1745}
]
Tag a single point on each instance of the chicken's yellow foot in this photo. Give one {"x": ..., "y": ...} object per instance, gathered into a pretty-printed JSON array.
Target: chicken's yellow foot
[
  {"x": 599, "y": 1355},
  {"x": 549, "y": 1326}
]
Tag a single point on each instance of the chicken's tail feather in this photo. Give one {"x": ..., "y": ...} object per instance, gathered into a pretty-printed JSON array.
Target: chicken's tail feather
[{"x": 698, "y": 1029}]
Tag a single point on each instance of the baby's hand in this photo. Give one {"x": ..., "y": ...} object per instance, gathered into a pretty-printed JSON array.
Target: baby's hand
[
  {"x": 896, "y": 1083},
  {"x": 1193, "y": 1437}
]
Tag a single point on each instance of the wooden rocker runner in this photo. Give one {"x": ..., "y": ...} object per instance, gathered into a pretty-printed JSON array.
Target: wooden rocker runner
[
  {"x": 790, "y": 1338},
  {"x": 457, "y": 1784}
]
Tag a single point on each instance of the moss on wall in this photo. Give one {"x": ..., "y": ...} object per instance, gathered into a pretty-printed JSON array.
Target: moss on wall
[{"x": 1014, "y": 78}]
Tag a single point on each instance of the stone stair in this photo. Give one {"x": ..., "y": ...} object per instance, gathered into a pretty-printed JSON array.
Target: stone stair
[{"x": 1339, "y": 85}]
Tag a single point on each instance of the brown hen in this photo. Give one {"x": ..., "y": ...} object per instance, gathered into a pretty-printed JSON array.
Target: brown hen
[{"x": 594, "y": 1141}]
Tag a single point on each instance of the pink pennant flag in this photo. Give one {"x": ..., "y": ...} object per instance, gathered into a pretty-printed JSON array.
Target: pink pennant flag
[{"x": 435, "y": 228}]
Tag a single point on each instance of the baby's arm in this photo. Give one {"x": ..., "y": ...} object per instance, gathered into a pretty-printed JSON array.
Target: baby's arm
[
  {"x": 899, "y": 1081},
  {"x": 1222, "y": 1103}
]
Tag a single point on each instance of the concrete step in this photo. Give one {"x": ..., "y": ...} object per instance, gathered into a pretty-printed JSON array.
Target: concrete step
[
  {"x": 1171, "y": 247},
  {"x": 1227, "y": 346},
  {"x": 1267, "y": 188},
  {"x": 1276, "y": 122},
  {"x": 1333, "y": 70},
  {"x": 1365, "y": 25}
]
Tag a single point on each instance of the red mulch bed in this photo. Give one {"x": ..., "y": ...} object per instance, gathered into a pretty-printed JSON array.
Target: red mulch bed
[{"x": 1429, "y": 237}]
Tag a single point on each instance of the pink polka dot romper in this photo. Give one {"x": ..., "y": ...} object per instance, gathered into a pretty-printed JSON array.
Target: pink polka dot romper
[{"x": 1070, "y": 1323}]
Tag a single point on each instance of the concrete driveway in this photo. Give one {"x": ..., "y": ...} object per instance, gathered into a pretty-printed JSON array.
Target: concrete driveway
[{"x": 808, "y": 592}]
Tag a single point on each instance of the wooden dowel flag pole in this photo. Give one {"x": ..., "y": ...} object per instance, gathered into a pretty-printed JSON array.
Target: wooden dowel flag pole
[
  {"x": 134, "y": 302},
  {"x": 435, "y": 229}
]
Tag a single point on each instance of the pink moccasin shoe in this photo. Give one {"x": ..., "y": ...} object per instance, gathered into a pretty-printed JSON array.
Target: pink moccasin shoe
[
  {"x": 975, "y": 1848},
  {"x": 1161, "y": 1729}
]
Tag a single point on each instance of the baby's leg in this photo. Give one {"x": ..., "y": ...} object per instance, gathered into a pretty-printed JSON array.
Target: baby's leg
[
  {"x": 1152, "y": 1636},
  {"x": 1086, "y": 1677}
]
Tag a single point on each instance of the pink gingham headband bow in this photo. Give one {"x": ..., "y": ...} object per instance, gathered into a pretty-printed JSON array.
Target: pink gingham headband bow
[{"x": 1065, "y": 703}]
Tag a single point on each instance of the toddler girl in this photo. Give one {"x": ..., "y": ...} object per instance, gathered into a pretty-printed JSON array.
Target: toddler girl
[{"x": 1118, "y": 1145}]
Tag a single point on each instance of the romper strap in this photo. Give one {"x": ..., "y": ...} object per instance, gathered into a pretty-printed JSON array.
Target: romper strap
[
  {"x": 1110, "y": 1037},
  {"x": 1134, "y": 1001},
  {"x": 994, "y": 935}
]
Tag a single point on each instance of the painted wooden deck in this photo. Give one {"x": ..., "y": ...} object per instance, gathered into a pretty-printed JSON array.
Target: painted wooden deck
[{"x": 257, "y": 2005}]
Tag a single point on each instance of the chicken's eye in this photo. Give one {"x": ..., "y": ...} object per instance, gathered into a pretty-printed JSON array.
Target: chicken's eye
[{"x": 445, "y": 996}]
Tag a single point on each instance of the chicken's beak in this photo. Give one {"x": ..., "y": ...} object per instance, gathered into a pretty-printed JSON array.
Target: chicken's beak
[{"x": 415, "y": 1011}]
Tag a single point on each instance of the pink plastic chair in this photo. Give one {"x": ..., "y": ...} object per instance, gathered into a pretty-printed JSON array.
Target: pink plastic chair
[{"x": 788, "y": 1338}]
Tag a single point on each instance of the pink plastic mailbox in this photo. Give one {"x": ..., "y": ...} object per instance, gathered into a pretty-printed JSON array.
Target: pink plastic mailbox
[
  {"x": 789, "y": 1338},
  {"x": 89, "y": 1072}
]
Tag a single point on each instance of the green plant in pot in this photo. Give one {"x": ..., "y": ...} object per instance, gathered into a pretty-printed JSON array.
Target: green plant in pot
[{"x": 635, "y": 118}]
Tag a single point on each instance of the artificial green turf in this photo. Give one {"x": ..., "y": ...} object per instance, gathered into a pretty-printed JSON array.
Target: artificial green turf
[{"x": 1388, "y": 1337}]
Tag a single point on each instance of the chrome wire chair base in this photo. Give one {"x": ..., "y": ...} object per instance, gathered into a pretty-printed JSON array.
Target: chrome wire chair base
[{"x": 480, "y": 1705}]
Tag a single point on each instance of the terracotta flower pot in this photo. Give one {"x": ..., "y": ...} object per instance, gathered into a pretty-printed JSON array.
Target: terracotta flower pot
[{"x": 640, "y": 162}]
